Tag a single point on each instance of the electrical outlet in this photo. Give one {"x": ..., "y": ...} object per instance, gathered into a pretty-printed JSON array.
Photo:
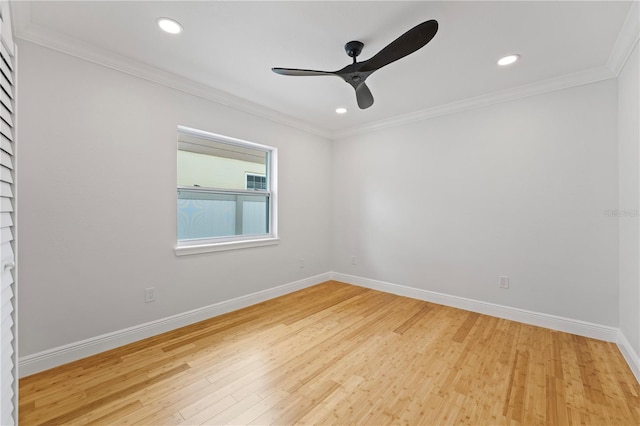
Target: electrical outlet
[
  {"x": 301, "y": 263},
  {"x": 504, "y": 282},
  {"x": 354, "y": 260},
  {"x": 149, "y": 294}
]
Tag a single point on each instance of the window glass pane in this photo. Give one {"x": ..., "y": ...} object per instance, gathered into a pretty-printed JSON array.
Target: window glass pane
[
  {"x": 204, "y": 215},
  {"x": 254, "y": 218},
  {"x": 213, "y": 164},
  {"x": 210, "y": 215}
]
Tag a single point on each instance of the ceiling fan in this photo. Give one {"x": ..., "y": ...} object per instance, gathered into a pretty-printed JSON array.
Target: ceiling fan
[{"x": 356, "y": 73}]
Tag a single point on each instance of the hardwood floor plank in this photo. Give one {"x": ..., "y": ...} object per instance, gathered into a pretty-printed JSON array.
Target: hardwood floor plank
[
  {"x": 339, "y": 354},
  {"x": 464, "y": 329},
  {"x": 250, "y": 415},
  {"x": 115, "y": 415},
  {"x": 206, "y": 408},
  {"x": 233, "y": 411},
  {"x": 96, "y": 403},
  {"x": 325, "y": 411},
  {"x": 402, "y": 328}
]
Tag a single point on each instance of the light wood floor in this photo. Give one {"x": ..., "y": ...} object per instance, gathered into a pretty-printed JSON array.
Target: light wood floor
[{"x": 339, "y": 354}]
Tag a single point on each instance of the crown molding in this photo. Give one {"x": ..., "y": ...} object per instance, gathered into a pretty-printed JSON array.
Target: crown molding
[
  {"x": 35, "y": 34},
  {"x": 550, "y": 85},
  {"x": 25, "y": 30},
  {"x": 627, "y": 40}
]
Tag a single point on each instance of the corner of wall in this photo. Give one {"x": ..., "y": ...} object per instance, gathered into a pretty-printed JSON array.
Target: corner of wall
[{"x": 632, "y": 358}]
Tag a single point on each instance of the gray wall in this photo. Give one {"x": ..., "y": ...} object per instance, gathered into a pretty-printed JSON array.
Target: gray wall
[
  {"x": 97, "y": 203},
  {"x": 629, "y": 159},
  {"x": 517, "y": 189}
]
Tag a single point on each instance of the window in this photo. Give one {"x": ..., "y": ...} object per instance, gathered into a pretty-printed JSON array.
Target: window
[
  {"x": 226, "y": 193},
  {"x": 256, "y": 182}
]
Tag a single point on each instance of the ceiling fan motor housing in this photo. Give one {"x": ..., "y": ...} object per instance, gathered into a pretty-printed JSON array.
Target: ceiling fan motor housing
[{"x": 353, "y": 48}]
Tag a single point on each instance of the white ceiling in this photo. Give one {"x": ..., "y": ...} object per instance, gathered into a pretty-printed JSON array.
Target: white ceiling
[{"x": 232, "y": 46}]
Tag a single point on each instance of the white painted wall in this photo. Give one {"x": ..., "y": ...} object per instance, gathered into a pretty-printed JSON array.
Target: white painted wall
[
  {"x": 98, "y": 202},
  {"x": 447, "y": 205},
  {"x": 517, "y": 189},
  {"x": 629, "y": 159}
]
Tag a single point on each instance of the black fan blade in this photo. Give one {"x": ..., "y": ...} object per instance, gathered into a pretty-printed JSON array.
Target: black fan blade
[
  {"x": 293, "y": 71},
  {"x": 404, "y": 45},
  {"x": 364, "y": 96}
]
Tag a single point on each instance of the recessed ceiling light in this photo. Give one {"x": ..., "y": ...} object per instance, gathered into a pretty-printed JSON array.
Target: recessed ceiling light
[
  {"x": 169, "y": 25},
  {"x": 341, "y": 110},
  {"x": 508, "y": 60}
]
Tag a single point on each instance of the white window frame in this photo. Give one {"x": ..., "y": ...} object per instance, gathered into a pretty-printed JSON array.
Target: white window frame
[{"x": 234, "y": 242}]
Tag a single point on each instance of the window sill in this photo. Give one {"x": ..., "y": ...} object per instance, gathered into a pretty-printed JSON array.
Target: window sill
[{"x": 225, "y": 246}]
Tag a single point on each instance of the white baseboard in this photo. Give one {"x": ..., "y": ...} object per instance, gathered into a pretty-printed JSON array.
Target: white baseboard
[
  {"x": 632, "y": 358},
  {"x": 54, "y": 357},
  {"x": 581, "y": 328},
  {"x": 50, "y": 358},
  {"x": 567, "y": 325}
]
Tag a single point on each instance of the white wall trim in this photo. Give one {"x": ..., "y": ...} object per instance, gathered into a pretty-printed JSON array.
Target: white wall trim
[
  {"x": 567, "y": 325},
  {"x": 632, "y": 358},
  {"x": 54, "y": 357},
  {"x": 580, "y": 78},
  {"x": 627, "y": 39}
]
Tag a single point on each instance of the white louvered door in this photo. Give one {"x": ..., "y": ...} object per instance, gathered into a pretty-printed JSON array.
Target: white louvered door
[{"x": 8, "y": 364}]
